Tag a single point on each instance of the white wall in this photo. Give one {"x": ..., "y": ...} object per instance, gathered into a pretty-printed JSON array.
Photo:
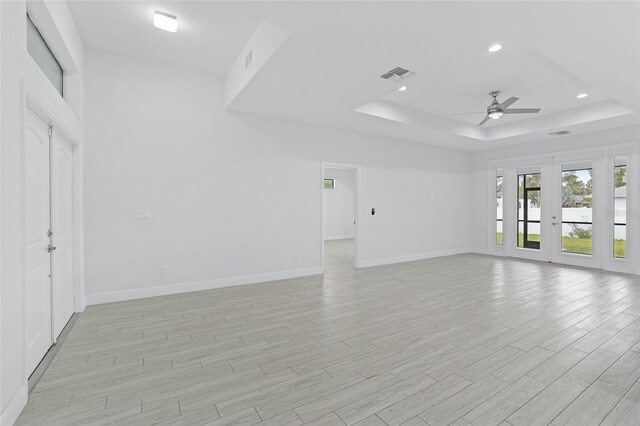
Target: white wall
[
  {"x": 338, "y": 204},
  {"x": 19, "y": 73},
  {"x": 236, "y": 198}
]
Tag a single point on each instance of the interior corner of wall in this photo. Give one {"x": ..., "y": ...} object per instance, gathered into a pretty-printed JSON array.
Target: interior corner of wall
[{"x": 14, "y": 407}]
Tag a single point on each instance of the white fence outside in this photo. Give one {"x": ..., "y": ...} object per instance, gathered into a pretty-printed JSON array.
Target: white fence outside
[{"x": 574, "y": 214}]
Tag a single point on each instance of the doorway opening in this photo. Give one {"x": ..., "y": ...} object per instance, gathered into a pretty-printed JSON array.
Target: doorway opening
[{"x": 339, "y": 217}]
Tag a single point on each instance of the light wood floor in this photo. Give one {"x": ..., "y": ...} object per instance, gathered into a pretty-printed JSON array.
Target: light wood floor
[{"x": 465, "y": 339}]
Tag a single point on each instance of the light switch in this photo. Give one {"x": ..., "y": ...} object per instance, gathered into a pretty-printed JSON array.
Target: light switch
[{"x": 141, "y": 214}]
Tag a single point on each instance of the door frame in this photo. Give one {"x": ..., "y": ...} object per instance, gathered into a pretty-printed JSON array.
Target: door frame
[
  {"x": 356, "y": 196},
  {"x": 31, "y": 100}
]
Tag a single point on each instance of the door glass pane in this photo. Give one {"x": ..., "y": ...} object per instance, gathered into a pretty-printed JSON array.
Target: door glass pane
[
  {"x": 620, "y": 211},
  {"x": 533, "y": 203},
  {"x": 520, "y": 197},
  {"x": 533, "y": 180},
  {"x": 533, "y": 233},
  {"x": 529, "y": 206},
  {"x": 520, "y": 234},
  {"x": 499, "y": 209},
  {"x": 577, "y": 211}
]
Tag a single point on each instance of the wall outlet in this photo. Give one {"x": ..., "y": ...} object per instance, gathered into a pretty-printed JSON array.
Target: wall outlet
[{"x": 163, "y": 271}]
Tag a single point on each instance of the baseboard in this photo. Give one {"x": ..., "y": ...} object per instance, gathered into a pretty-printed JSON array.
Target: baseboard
[
  {"x": 412, "y": 257},
  {"x": 339, "y": 237},
  {"x": 140, "y": 293},
  {"x": 14, "y": 408},
  {"x": 479, "y": 250}
]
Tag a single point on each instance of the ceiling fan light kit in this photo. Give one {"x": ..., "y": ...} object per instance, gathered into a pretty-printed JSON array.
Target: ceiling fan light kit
[{"x": 497, "y": 109}]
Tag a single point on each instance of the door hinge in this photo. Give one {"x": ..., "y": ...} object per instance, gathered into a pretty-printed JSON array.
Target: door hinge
[
  {"x": 49, "y": 233},
  {"x": 50, "y": 130}
]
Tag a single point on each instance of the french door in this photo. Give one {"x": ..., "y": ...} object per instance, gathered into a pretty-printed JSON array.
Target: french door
[
  {"x": 577, "y": 219},
  {"x": 48, "y": 237},
  {"x": 569, "y": 209}
]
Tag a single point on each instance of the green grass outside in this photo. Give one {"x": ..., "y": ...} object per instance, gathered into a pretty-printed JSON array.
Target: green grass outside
[{"x": 575, "y": 245}]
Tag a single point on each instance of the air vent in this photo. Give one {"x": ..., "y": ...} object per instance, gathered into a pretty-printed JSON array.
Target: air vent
[
  {"x": 560, "y": 133},
  {"x": 397, "y": 74}
]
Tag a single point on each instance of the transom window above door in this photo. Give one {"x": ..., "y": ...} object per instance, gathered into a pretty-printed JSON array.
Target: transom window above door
[{"x": 43, "y": 56}]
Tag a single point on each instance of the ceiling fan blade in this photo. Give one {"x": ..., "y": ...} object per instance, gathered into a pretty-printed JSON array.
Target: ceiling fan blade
[
  {"x": 483, "y": 121},
  {"x": 522, "y": 110},
  {"x": 474, "y": 112},
  {"x": 508, "y": 102}
]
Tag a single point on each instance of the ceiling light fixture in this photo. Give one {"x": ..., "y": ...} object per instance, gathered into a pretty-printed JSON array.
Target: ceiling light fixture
[
  {"x": 494, "y": 115},
  {"x": 165, "y": 21},
  {"x": 582, "y": 95},
  {"x": 496, "y": 47},
  {"x": 402, "y": 89}
]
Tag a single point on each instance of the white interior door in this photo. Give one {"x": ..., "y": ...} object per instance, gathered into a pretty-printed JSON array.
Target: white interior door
[
  {"x": 62, "y": 226},
  {"x": 37, "y": 260}
]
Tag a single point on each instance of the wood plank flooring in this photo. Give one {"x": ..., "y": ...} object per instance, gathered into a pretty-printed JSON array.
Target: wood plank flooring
[{"x": 461, "y": 340}]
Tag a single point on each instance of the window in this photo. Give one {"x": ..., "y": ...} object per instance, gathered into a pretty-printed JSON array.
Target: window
[
  {"x": 329, "y": 184},
  {"x": 499, "y": 209},
  {"x": 620, "y": 209},
  {"x": 42, "y": 55},
  {"x": 577, "y": 211},
  {"x": 529, "y": 211}
]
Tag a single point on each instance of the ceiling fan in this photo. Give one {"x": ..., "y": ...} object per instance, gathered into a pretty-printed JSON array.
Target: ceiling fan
[{"x": 497, "y": 109}]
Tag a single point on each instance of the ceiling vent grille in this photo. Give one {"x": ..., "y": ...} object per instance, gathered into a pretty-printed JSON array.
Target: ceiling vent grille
[
  {"x": 560, "y": 133},
  {"x": 397, "y": 74}
]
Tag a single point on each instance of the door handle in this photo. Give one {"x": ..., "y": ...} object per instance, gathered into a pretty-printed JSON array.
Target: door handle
[{"x": 51, "y": 248}]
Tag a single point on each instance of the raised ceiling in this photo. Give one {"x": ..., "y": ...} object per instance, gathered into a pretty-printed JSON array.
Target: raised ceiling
[{"x": 328, "y": 70}]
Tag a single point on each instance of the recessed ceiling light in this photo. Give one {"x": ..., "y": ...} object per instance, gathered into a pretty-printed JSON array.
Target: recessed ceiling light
[
  {"x": 165, "y": 21},
  {"x": 495, "y": 48},
  {"x": 402, "y": 89},
  {"x": 582, "y": 95}
]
